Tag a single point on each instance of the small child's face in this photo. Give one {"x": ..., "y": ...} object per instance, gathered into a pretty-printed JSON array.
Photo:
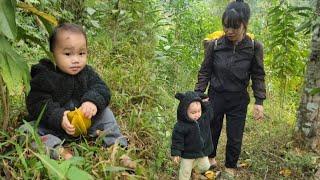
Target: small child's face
[
  {"x": 194, "y": 110},
  {"x": 70, "y": 52}
]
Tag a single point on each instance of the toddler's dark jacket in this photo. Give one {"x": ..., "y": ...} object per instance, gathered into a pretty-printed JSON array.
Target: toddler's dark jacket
[
  {"x": 55, "y": 89},
  {"x": 192, "y": 139}
]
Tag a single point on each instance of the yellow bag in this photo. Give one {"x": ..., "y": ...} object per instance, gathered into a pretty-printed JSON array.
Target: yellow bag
[
  {"x": 81, "y": 123},
  {"x": 218, "y": 34}
]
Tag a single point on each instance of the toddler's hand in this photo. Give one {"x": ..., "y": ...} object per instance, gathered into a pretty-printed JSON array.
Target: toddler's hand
[
  {"x": 66, "y": 125},
  {"x": 89, "y": 109},
  {"x": 258, "y": 112},
  {"x": 176, "y": 159}
]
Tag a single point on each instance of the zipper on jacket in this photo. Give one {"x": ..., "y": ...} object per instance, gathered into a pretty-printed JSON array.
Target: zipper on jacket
[
  {"x": 234, "y": 49},
  {"x": 201, "y": 138}
]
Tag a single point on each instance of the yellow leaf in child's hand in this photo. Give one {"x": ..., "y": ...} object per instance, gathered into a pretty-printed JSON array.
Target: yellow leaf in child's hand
[
  {"x": 285, "y": 172},
  {"x": 79, "y": 121},
  {"x": 70, "y": 115}
]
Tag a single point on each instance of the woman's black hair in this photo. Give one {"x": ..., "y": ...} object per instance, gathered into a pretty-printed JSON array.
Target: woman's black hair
[
  {"x": 236, "y": 12},
  {"x": 64, "y": 27}
]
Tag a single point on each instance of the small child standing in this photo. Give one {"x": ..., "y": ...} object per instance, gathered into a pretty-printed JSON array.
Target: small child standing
[
  {"x": 191, "y": 137},
  {"x": 70, "y": 83}
]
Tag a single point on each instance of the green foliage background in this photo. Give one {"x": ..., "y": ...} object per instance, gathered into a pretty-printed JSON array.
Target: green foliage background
[{"x": 147, "y": 51}]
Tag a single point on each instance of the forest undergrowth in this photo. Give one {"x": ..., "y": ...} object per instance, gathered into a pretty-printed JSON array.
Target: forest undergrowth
[{"x": 146, "y": 52}]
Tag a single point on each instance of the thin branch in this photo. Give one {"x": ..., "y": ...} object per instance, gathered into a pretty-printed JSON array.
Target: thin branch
[{"x": 5, "y": 104}]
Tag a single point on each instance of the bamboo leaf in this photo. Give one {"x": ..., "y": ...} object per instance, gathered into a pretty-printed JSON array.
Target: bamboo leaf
[
  {"x": 75, "y": 161},
  {"x": 35, "y": 136},
  {"x": 75, "y": 173},
  {"x": 308, "y": 15},
  {"x": 65, "y": 166},
  {"x": 294, "y": 8},
  {"x": 7, "y": 19},
  {"x": 49, "y": 27},
  {"x": 21, "y": 156},
  {"x": 13, "y": 68},
  {"x": 30, "y": 8},
  {"x": 51, "y": 165},
  {"x": 22, "y": 34}
]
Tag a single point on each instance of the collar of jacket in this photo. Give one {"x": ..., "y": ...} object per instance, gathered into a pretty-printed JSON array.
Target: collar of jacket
[{"x": 224, "y": 42}]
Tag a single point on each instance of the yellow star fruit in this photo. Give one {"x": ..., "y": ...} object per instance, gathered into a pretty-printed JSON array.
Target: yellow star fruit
[
  {"x": 81, "y": 123},
  {"x": 218, "y": 34}
]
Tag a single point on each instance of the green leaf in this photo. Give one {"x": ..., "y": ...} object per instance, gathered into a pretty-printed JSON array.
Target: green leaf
[
  {"x": 167, "y": 48},
  {"x": 296, "y": 8},
  {"x": 75, "y": 161},
  {"x": 307, "y": 15},
  {"x": 49, "y": 27},
  {"x": 35, "y": 136},
  {"x": 52, "y": 166},
  {"x": 30, "y": 8},
  {"x": 21, "y": 155},
  {"x": 90, "y": 11},
  {"x": 75, "y": 173},
  {"x": 7, "y": 19},
  {"x": 22, "y": 34},
  {"x": 65, "y": 166},
  {"x": 13, "y": 69},
  {"x": 95, "y": 23},
  {"x": 315, "y": 91}
]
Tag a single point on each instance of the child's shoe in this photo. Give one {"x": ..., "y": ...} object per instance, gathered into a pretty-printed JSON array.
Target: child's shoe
[
  {"x": 127, "y": 162},
  {"x": 213, "y": 163},
  {"x": 65, "y": 153}
]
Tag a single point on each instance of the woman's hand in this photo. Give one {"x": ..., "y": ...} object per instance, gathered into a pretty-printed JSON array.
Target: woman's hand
[
  {"x": 258, "y": 112},
  {"x": 66, "y": 125},
  {"x": 176, "y": 159},
  {"x": 89, "y": 109},
  {"x": 205, "y": 100}
]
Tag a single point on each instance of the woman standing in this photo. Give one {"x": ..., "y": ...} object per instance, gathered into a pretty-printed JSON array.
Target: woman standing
[{"x": 230, "y": 62}]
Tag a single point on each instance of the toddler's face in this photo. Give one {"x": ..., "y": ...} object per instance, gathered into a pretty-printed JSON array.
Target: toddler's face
[
  {"x": 70, "y": 52},
  {"x": 194, "y": 110}
]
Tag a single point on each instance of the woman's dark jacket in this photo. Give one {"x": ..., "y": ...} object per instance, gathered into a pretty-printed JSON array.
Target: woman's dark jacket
[
  {"x": 229, "y": 67},
  {"x": 54, "y": 89},
  {"x": 192, "y": 139}
]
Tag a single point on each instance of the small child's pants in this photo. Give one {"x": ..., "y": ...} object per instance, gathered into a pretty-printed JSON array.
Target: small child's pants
[
  {"x": 107, "y": 123},
  {"x": 201, "y": 164}
]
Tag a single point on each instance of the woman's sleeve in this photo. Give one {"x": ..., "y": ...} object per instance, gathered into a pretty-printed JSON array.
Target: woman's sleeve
[
  {"x": 258, "y": 74},
  {"x": 205, "y": 71}
]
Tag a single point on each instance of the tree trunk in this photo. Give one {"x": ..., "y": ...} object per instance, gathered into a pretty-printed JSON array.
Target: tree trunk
[
  {"x": 4, "y": 96},
  {"x": 308, "y": 119}
]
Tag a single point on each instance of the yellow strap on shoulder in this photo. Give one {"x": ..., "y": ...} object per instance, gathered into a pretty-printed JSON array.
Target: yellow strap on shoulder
[{"x": 219, "y": 34}]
